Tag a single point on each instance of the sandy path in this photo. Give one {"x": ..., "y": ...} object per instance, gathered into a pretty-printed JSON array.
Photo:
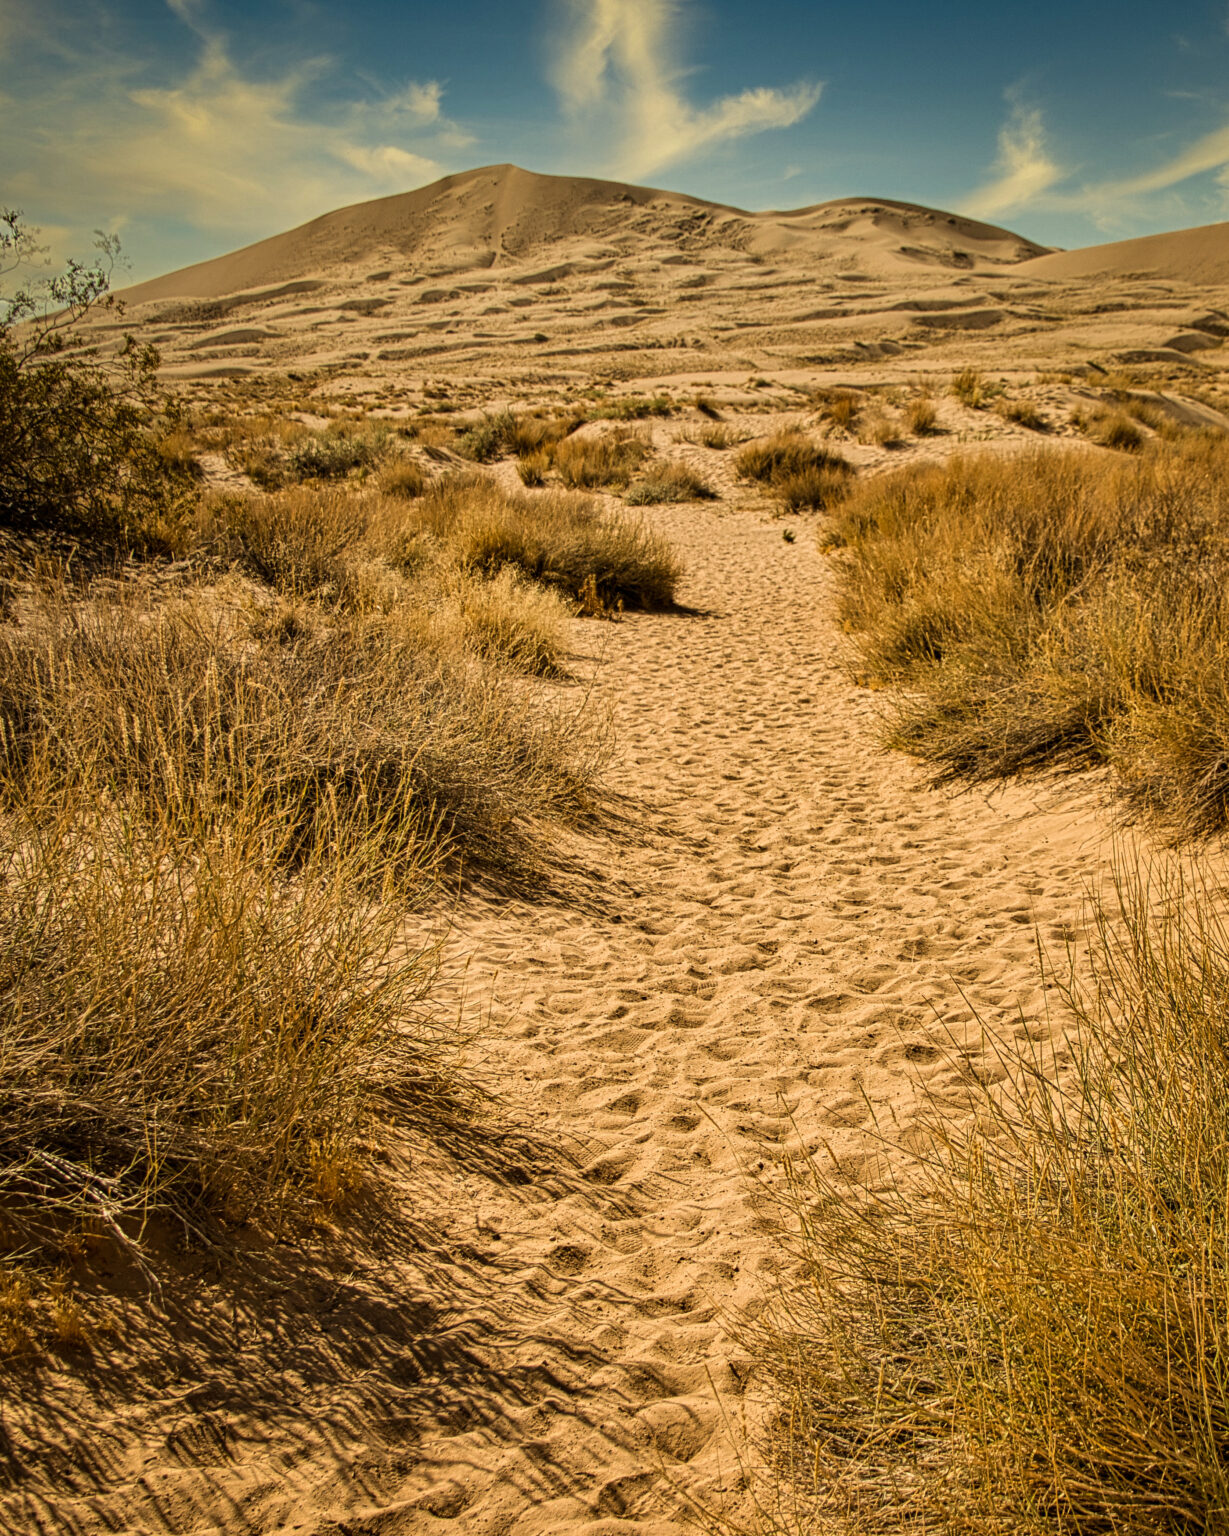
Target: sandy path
[
  {"x": 790, "y": 948},
  {"x": 548, "y": 1354}
]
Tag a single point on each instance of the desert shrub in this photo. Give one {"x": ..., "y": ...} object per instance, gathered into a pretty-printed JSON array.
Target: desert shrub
[
  {"x": 533, "y": 468},
  {"x": 633, "y": 408},
  {"x": 1026, "y": 1326},
  {"x": 588, "y": 463},
  {"x": 79, "y": 445},
  {"x": 785, "y": 453},
  {"x": 971, "y": 388},
  {"x": 504, "y": 618},
  {"x": 562, "y": 540},
  {"x": 296, "y": 540},
  {"x": 182, "y": 1030},
  {"x": 1024, "y": 414},
  {"x": 403, "y": 478},
  {"x": 798, "y": 472},
  {"x": 921, "y": 418},
  {"x": 534, "y": 433},
  {"x": 811, "y": 490},
  {"x": 719, "y": 436},
  {"x": 333, "y": 455},
  {"x": 880, "y": 428},
  {"x": 1055, "y": 609},
  {"x": 839, "y": 408},
  {"x": 1115, "y": 429},
  {"x": 669, "y": 482},
  {"x": 482, "y": 442},
  {"x": 346, "y": 732}
]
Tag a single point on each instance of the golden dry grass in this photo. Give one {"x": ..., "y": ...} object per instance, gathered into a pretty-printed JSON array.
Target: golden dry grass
[
  {"x": 1026, "y": 1327},
  {"x": 564, "y": 540},
  {"x": 1053, "y": 610},
  {"x": 798, "y": 473}
]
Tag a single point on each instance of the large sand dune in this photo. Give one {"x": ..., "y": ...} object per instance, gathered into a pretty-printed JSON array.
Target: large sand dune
[
  {"x": 1184, "y": 255},
  {"x": 488, "y": 217},
  {"x": 501, "y": 274}
]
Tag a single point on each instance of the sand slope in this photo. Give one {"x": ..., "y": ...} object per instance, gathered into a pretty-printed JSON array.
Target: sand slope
[
  {"x": 1199, "y": 255},
  {"x": 486, "y": 217}
]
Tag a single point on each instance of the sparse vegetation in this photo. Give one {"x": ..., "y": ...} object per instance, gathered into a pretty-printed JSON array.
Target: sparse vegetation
[
  {"x": 1053, "y": 610},
  {"x": 970, "y": 388},
  {"x": 565, "y": 541},
  {"x": 840, "y": 408},
  {"x": 1023, "y": 413},
  {"x": 798, "y": 472},
  {"x": 589, "y": 463},
  {"x": 921, "y": 419},
  {"x": 669, "y": 482},
  {"x": 1025, "y": 1327}
]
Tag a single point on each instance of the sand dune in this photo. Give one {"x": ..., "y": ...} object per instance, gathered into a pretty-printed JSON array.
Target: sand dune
[
  {"x": 1198, "y": 255},
  {"x": 498, "y": 274},
  {"x": 497, "y": 214}
]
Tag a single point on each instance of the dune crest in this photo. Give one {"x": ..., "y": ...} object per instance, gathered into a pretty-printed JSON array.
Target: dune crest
[
  {"x": 501, "y": 214},
  {"x": 1199, "y": 255}
]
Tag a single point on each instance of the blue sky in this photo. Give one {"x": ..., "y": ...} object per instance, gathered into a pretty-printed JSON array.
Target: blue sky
[{"x": 193, "y": 126}]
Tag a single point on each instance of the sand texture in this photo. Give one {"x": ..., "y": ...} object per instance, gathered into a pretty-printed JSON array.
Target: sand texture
[
  {"x": 501, "y": 279},
  {"x": 528, "y": 1347},
  {"x": 526, "y": 1328}
]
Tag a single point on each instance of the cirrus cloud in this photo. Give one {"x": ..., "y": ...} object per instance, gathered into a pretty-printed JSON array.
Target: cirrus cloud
[{"x": 615, "y": 70}]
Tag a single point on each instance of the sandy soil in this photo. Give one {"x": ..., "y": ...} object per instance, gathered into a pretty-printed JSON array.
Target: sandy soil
[
  {"x": 528, "y": 1328},
  {"x": 777, "y": 957}
]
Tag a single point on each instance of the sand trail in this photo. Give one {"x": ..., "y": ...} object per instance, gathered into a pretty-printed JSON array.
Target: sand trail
[
  {"x": 779, "y": 957},
  {"x": 788, "y": 955}
]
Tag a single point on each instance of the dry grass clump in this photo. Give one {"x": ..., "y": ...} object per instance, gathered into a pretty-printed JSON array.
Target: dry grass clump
[
  {"x": 719, "y": 436},
  {"x": 403, "y": 477},
  {"x": 1115, "y": 429},
  {"x": 920, "y": 418},
  {"x": 798, "y": 472},
  {"x": 589, "y": 463},
  {"x": 1024, "y": 414},
  {"x": 970, "y": 388},
  {"x": 1027, "y": 1328},
  {"x": 504, "y": 618},
  {"x": 840, "y": 408},
  {"x": 633, "y": 408},
  {"x": 565, "y": 541},
  {"x": 275, "y": 451},
  {"x": 184, "y": 1031},
  {"x": 295, "y": 540},
  {"x": 343, "y": 729},
  {"x": 880, "y": 428},
  {"x": 667, "y": 483},
  {"x": 1054, "y": 610}
]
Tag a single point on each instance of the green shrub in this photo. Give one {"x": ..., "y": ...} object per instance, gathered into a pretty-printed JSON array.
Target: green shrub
[{"x": 78, "y": 441}]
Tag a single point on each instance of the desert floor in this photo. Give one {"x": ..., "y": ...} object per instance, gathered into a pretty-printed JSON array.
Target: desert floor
[{"x": 791, "y": 944}]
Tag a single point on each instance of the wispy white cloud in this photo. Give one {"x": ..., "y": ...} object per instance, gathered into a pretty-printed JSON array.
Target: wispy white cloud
[
  {"x": 211, "y": 146},
  {"x": 1209, "y": 153},
  {"x": 616, "y": 71},
  {"x": 1024, "y": 170}
]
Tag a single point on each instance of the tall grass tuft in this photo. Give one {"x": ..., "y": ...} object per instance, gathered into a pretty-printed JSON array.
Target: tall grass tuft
[
  {"x": 565, "y": 541},
  {"x": 798, "y": 472},
  {"x": 1053, "y": 610},
  {"x": 182, "y": 1030},
  {"x": 1027, "y": 1328}
]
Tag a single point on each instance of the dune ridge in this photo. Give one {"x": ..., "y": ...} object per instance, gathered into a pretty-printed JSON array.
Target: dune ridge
[{"x": 499, "y": 214}]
